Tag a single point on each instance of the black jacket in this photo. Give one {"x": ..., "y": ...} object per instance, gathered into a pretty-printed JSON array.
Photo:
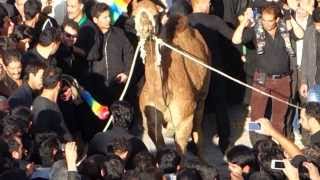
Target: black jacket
[
  {"x": 23, "y": 96},
  {"x": 65, "y": 59},
  {"x": 48, "y": 117},
  {"x": 87, "y": 46},
  {"x": 117, "y": 54},
  {"x": 34, "y": 55}
]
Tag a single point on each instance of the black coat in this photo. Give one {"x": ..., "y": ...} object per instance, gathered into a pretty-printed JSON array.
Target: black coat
[
  {"x": 87, "y": 46},
  {"x": 117, "y": 58},
  {"x": 48, "y": 117},
  {"x": 23, "y": 96},
  {"x": 117, "y": 54}
]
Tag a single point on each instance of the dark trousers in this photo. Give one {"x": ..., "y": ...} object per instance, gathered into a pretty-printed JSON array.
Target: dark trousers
[{"x": 277, "y": 87}]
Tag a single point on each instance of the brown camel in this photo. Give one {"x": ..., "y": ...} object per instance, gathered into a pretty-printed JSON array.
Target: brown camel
[{"x": 174, "y": 92}]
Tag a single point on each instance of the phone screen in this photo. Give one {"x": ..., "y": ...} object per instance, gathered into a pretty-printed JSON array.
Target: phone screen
[
  {"x": 253, "y": 126},
  {"x": 279, "y": 164}
]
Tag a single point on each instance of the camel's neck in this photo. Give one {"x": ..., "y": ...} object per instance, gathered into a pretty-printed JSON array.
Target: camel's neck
[{"x": 153, "y": 72}]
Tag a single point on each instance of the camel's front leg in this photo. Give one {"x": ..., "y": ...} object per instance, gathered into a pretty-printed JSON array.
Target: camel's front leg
[{"x": 152, "y": 122}]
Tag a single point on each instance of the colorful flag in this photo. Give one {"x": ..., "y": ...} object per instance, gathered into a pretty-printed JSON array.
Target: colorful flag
[
  {"x": 102, "y": 112},
  {"x": 117, "y": 8}
]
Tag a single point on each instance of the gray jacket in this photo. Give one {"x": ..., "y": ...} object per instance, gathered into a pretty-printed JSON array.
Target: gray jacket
[{"x": 309, "y": 57}]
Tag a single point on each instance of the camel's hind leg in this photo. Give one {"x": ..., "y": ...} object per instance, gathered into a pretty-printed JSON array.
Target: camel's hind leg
[
  {"x": 182, "y": 117},
  {"x": 152, "y": 123},
  {"x": 183, "y": 133}
]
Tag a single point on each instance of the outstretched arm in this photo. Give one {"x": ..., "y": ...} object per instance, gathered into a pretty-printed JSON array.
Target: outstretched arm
[
  {"x": 286, "y": 144},
  {"x": 212, "y": 22}
]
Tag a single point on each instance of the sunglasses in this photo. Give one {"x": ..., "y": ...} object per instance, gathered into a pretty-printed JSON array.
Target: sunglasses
[{"x": 70, "y": 36}]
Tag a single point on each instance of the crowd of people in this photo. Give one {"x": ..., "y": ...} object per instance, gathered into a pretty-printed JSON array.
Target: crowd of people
[{"x": 47, "y": 132}]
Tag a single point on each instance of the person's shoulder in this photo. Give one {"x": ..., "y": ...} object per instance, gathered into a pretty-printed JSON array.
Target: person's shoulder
[
  {"x": 118, "y": 30},
  {"x": 100, "y": 135},
  {"x": 20, "y": 96},
  {"x": 88, "y": 24},
  {"x": 21, "y": 91},
  {"x": 88, "y": 29},
  {"x": 41, "y": 103},
  {"x": 29, "y": 54}
]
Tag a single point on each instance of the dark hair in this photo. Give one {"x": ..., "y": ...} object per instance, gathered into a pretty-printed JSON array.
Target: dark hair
[
  {"x": 265, "y": 159},
  {"x": 3, "y": 14},
  {"x": 46, "y": 151},
  {"x": 188, "y": 174},
  {"x": 49, "y": 35},
  {"x": 206, "y": 172},
  {"x": 150, "y": 174},
  {"x": 71, "y": 23},
  {"x": 312, "y": 153},
  {"x": 180, "y": 8},
  {"x": 313, "y": 110},
  {"x": 98, "y": 8},
  {"x": 242, "y": 156},
  {"x": 131, "y": 175},
  {"x": 316, "y": 14},
  {"x": 41, "y": 137},
  {"x": 122, "y": 113},
  {"x": 22, "y": 31},
  {"x": 120, "y": 145},
  {"x": 265, "y": 145},
  {"x": 261, "y": 175},
  {"x": 32, "y": 8},
  {"x": 10, "y": 55},
  {"x": 168, "y": 160},
  {"x": 51, "y": 77},
  {"x": 113, "y": 167},
  {"x": 22, "y": 113},
  {"x": 143, "y": 160},
  {"x": 33, "y": 66},
  {"x": 90, "y": 167},
  {"x": 9, "y": 127},
  {"x": 271, "y": 8}
]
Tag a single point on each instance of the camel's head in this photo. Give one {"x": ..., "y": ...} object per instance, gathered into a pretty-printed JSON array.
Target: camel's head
[{"x": 145, "y": 17}]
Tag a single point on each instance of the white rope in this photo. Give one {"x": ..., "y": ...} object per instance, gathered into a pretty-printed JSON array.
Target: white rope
[
  {"x": 223, "y": 74},
  {"x": 125, "y": 89},
  {"x": 157, "y": 45}
]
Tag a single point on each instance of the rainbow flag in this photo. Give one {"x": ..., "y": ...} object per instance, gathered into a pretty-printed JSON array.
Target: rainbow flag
[
  {"x": 117, "y": 8},
  {"x": 102, "y": 112}
]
